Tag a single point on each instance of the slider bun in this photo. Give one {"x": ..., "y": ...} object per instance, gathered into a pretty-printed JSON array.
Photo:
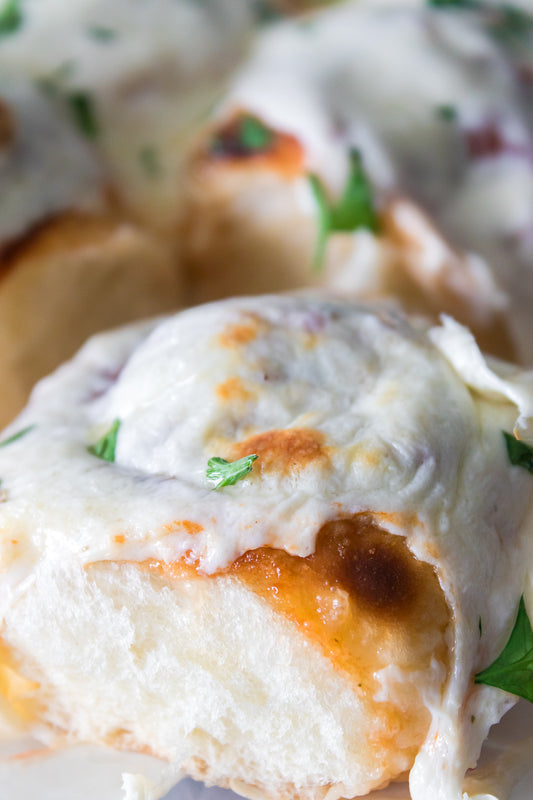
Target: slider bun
[
  {"x": 314, "y": 627},
  {"x": 70, "y": 277},
  {"x": 207, "y": 671},
  {"x": 246, "y": 229}
]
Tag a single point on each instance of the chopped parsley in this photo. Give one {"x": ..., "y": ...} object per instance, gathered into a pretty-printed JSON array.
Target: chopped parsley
[
  {"x": 101, "y": 33},
  {"x": 354, "y": 210},
  {"x": 509, "y": 23},
  {"x": 447, "y": 113},
  {"x": 16, "y": 436},
  {"x": 453, "y": 3},
  {"x": 226, "y": 473},
  {"x": 246, "y": 135},
  {"x": 82, "y": 110},
  {"x": 105, "y": 447},
  {"x": 513, "y": 669},
  {"x": 506, "y": 22},
  {"x": 11, "y": 17},
  {"x": 149, "y": 158},
  {"x": 520, "y": 454}
]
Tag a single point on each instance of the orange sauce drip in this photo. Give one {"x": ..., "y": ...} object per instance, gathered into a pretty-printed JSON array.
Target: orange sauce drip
[{"x": 368, "y": 603}]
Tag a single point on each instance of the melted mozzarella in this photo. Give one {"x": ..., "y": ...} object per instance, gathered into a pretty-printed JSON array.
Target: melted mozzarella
[
  {"x": 149, "y": 69},
  {"x": 386, "y": 81},
  {"x": 407, "y": 434},
  {"x": 45, "y": 165}
]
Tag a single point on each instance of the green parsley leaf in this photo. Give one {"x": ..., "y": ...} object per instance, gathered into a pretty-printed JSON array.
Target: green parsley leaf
[
  {"x": 453, "y": 4},
  {"x": 102, "y": 34},
  {"x": 447, "y": 113},
  {"x": 149, "y": 158},
  {"x": 246, "y": 135},
  {"x": 82, "y": 110},
  {"x": 105, "y": 447},
  {"x": 16, "y": 436},
  {"x": 354, "y": 210},
  {"x": 509, "y": 24},
  {"x": 520, "y": 453},
  {"x": 11, "y": 17},
  {"x": 227, "y": 473},
  {"x": 513, "y": 669},
  {"x": 254, "y": 134}
]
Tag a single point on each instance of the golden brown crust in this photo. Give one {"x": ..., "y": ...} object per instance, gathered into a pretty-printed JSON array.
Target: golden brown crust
[
  {"x": 7, "y": 126},
  {"x": 70, "y": 277}
]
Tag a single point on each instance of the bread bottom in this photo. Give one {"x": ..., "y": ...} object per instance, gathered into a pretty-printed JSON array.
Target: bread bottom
[{"x": 202, "y": 672}]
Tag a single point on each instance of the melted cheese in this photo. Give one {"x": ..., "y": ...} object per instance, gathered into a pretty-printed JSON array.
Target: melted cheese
[
  {"x": 45, "y": 165},
  {"x": 385, "y": 80},
  {"x": 351, "y": 410},
  {"x": 149, "y": 69}
]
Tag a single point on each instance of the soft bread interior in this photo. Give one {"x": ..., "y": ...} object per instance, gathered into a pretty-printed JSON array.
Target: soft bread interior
[{"x": 206, "y": 672}]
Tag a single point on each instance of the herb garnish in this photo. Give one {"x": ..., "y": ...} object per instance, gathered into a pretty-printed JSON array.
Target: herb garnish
[
  {"x": 82, "y": 109},
  {"x": 505, "y": 22},
  {"x": 105, "y": 447},
  {"x": 354, "y": 210},
  {"x": 16, "y": 436},
  {"x": 509, "y": 23},
  {"x": 246, "y": 135},
  {"x": 227, "y": 473},
  {"x": 10, "y": 17},
  {"x": 149, "y": 158},
  {"x": 447, "y": 113},
  {"x": 513, "y": 669},
  {"x": 520, "y": 453},
  {"x": 102, "y": 34},
  {"x": 453, "y": 3}
]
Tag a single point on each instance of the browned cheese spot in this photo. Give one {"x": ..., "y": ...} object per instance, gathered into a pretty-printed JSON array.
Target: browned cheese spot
[
  {"x": 284, "y": 451},
  {"x": 374, "y": 567},
  {"x": 238, "y": 334},
  {"x": 233, "y": 390}
]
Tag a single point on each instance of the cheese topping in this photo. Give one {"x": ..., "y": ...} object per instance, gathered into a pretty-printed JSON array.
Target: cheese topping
[
  {"x": 147, "y": 70},
  {"x": 349, "y": 410},
  {"x": 439, "y": 106}
]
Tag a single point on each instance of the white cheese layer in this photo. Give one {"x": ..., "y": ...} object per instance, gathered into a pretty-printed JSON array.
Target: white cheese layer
[
  {"x": 439, "y": 104},
  {"x": 399, "y": 429},
  {"x": 46, "y": 167},
  {"x": 149, "y": 71}
]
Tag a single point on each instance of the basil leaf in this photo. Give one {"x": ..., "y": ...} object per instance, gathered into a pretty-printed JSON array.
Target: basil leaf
[
  {"x": 354, "y": 210},
  {"x": 82, "y": 111},
  {"x": 227, "y": 473},
  {"x": 17, "y": 435},
  {"x": 513, "y": 669},
  {"x": 520, "y": 453},
  {"x": 10, "y": 17},
  {"x": 105, "y": 447}
]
